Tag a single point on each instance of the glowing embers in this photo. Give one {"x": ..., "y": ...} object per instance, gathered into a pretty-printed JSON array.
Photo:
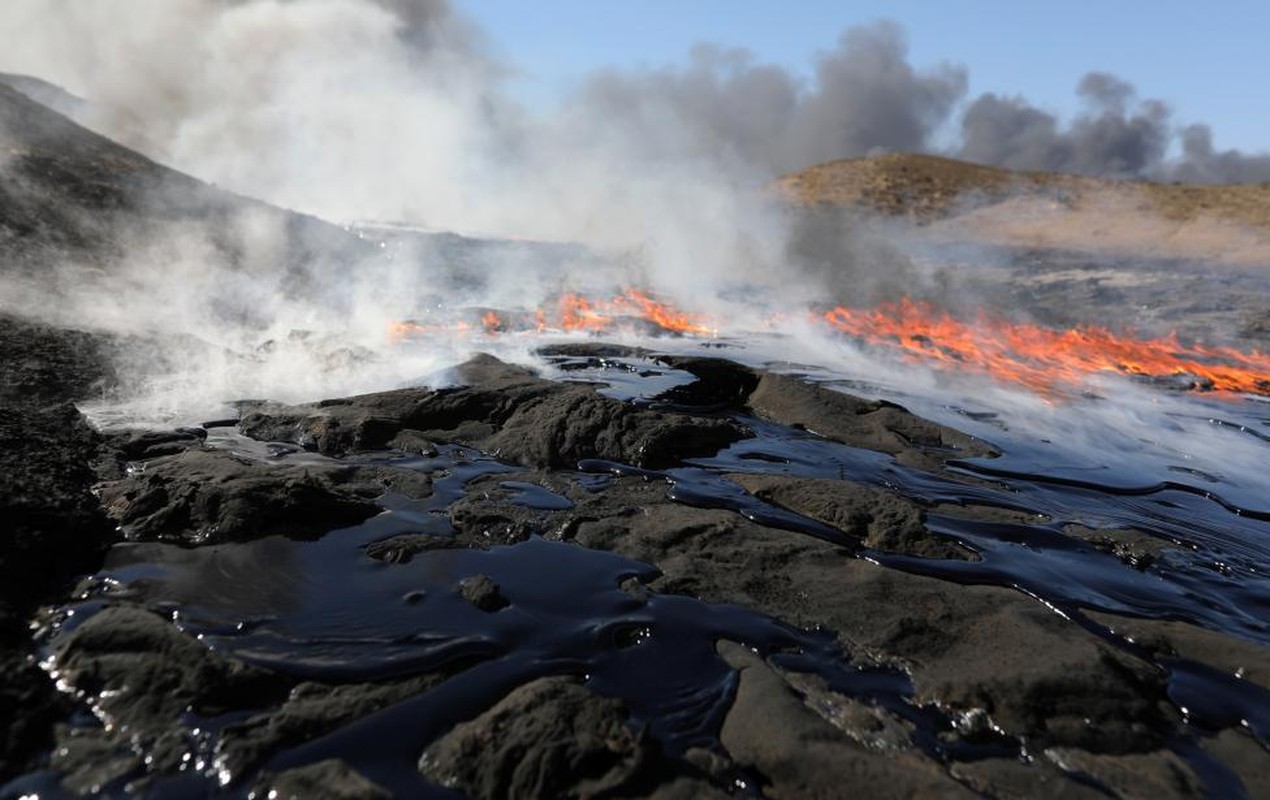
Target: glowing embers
[
  {"x": 1045, "y": 360},
  {"x": 632, "y": 310}
]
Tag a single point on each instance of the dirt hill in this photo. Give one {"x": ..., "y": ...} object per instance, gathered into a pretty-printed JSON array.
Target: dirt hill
[
  {"x": 959, "y": 200},
  {"x": 932, "y": 187}
]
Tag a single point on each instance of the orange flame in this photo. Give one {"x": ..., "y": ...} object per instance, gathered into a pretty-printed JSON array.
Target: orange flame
[
  {"x": 573, "y": 313},
  {"x": 410, "y": 329},
  {"x": 665, "y": 316},
  {"x": 1041, "y": 359},
  {"x": 1044, "y": 359},
  {"x": 577, "y": 314}
]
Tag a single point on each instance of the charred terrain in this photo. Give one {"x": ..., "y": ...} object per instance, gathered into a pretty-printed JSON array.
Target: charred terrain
[{"x": 627, "y": 571}]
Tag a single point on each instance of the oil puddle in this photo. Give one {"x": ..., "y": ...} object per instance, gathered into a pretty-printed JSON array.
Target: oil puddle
[{"x": 618, "y": 374}]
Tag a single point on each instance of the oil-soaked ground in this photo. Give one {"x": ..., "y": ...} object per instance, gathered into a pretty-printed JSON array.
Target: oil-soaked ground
[
  {"x": 699, "y": 579},
  {"x": 672, "y": 576}
]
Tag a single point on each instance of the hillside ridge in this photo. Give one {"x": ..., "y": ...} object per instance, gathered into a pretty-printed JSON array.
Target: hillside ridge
[{"x": 927, "y": 187}]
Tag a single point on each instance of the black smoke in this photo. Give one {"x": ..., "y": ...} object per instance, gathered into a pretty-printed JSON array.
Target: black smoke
[{"x": 864, "y": 97}]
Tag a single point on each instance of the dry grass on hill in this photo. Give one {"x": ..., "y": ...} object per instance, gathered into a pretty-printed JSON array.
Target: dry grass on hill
[{"x": 956, "y": 199}]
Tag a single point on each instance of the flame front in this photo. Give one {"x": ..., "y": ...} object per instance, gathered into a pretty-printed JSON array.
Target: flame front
[
  {"x": 572, "y": 313},
  {"x": 1044, "y": 359},
  {"x": 1041, "y": 359}
]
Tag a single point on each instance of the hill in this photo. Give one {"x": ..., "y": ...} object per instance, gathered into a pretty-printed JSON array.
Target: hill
[
  {"x": 1227, "y": 223},
  {"x": 929, "y": 187},
  {"x": 68, "y": 194}
]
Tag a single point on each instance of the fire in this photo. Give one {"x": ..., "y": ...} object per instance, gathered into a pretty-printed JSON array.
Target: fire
[
  {"x": 573, "y": 312},
  {"x": 1041, "y": 359},
  {"x": 410, "y": 329},
  {"x": 1044, "y": 359},
  {"x": 665, "y": 316},
  {"x": 578, "y": 314}
]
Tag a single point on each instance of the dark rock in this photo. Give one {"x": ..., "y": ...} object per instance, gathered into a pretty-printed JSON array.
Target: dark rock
[
  {"x": 548, "y": 738},
  {"x": 1136, "y": 549},
  {"x": 152, "y": 444},
  {"x": 1015, "y": 779},
  {"x": 51, "y": 527},
  {"x": 885, "y": 521},
  {"x": 44, "y": 365},
  {"x": 1157, "y": 774},
  {"x": 1166, "y": 638},
  {"x": 29, "y": 704},
  {"x": 593, "y": 350},
  {"x": 413, "y": 442},
  {"x": 326, "y": 780},
  {"x": 402, "y": 548},
  {"x": 577, "y": 423},
  {"x": 872, "y": 425},
  {"x": 1034, "y": 673},
  {"x": 1257, "y": 325},
  {"x": 870, "y": 726},
  {"x": 505, "y": 411},
  {"x": 200, "y": 496},
  {"x": 311, "y": 710},
  {"x": 335, "y": 429},
  {"x": 482, "y": 592},
  {"x": 720, "y": 383},
  {"x": 488, "y": 515},
  {"x": 1249, "y": 759},
  {"x": 142, "y": 674},
  {"x": 769, "y": 730}
]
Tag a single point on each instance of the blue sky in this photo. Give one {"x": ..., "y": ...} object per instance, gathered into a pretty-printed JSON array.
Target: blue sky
[{"x": 1210, "y": 61}]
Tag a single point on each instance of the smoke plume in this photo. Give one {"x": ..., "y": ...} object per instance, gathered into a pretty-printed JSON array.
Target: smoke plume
[{"x": 865, "y": 98}]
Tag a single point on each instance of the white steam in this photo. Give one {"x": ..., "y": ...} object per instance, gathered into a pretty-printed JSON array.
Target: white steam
[{"x": 358, "y": 110}]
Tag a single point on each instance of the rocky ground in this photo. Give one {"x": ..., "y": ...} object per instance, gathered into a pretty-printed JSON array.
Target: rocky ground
[{"x": 1068, "y": 711}]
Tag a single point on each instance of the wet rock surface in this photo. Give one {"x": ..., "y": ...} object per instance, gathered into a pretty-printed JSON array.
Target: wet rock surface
[
  {"x": 967, "y": 647},
  {"x": 800, "y": 754},
  {"x": 929, "y": 674},
  {"x": 332, "y": 778},
  {"x": 143, "y": 674},
  {"x": 882, "y": 521},
  {"x": 51, "y": 526},
  {"x": 503, "y": 410},
  {"x": 211, "y": 496},
  {"x": 549, "y": 738}
]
